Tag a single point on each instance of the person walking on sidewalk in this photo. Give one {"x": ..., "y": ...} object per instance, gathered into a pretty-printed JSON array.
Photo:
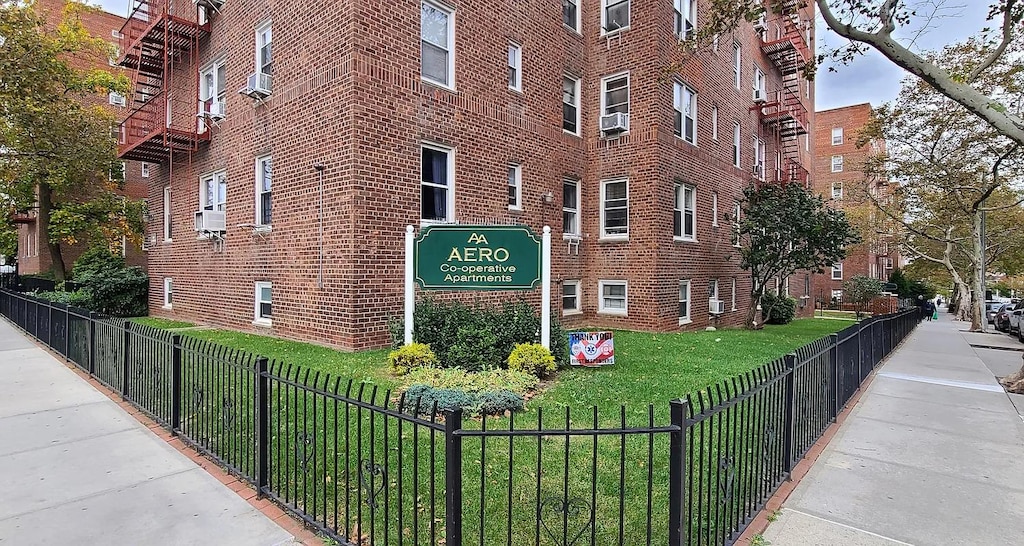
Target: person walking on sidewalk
[{"x": 929, "y": 310}]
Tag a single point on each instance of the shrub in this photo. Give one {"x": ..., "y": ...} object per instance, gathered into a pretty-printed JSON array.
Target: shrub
[
  {"x": 531, "y": 358},
  {"x": 778, "y": 309},
  {"x": 77, "y": 298},
  {"x": 457, "y": 378},
  {"x": 408, "y": 357},
  {"x": 474, "y": 350},
  {"x": 113, "y": 288},
  {"x": 96, "y": 260},
  {"x": 497, "y": 402},
  {"x": 446, "y": 399}
]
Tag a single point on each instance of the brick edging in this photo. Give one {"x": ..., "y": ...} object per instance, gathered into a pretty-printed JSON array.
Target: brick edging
[{"x": 291, "y": 525}]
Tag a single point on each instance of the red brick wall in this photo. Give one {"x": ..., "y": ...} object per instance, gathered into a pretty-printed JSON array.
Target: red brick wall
[{"x": 348, "y": 95}]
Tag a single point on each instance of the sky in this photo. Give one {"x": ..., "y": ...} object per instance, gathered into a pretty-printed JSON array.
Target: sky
[{"x": 870, "y": 78}]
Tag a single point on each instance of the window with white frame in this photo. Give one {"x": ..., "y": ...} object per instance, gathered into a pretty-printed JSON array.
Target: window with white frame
[
  {"x": 212, "y": 88},
  {"x": 263, "y": 308},
  {"x": 264, "y": 49},
  {"x": 145, "y": 170},
  {"x": 571, "y": 14},
  {"x": 837, "y": 190},
  {"x": 615, "y": 208},
  {"x": 437, "y": 44},
  {"x": 887, "y": 263},
  {"x": 571, "y": 104},
  {"x": 737, "y": 209},
  {"x": 437, "y": 185},
  {"x": 873, "y": 270},
  {"x": 264, "y": 177},
  {"x": 515, "y": 187},
  {"x": 807, "y": 285},
  {"x": 168, "y": 293},
  {"x": 837, "y": 136},
  {"x": 733, "y": 307},
  {"x": 785, "y": 285},
  {"x": 837, "y": 271},
  {"x": 685, "y": 17},
  {"x": 837, "y": 295},
  {"x": 713, "y": 290},
  {"x": 714, "y": 208},
  {"x": 213, "y": 191},
  {"x": 736, "y": 144},
  {"x": 615, "y": 94},
  {"x": 570, "y": 297},
  {"x": 736, "y": 64},
  {"x": 571, "y": 207},
  {"x": 714, "y": 43},
  {"x": 167, "y": 213},
  {"x": 714, "y": 122},
  {"x": 515, "y": 67},
  {"x": 116, "y": 98},
  {"x": 758, "y": 158},
  {"x": 778, "y": 166},
  {"x": 684, "y": 213},
  {"x": 837, "y": 163},
  {"x": 614, "y": 15},
  {"x": 684, "y": 301},
  {"x": 613, "y": 297},
  {"x": 759, "y": 92},
  {"x": 685, "y": 101}
]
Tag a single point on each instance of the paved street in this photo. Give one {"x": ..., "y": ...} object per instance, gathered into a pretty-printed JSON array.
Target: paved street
[
  {"x": 77, "y": 469},
  {"x": 932, "y": 454}
]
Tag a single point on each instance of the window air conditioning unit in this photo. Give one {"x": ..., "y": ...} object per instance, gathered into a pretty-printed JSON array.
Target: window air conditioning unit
[
  {"x": 716, "y": 307},
  {"x": 761, "y": 24},
  {"x": 760, "y": 96},
  {"x": 216, "y": 111},
  {"x": 209, "y": 5},
  {"x": 149, "y": 243},
  {"x": 209, "y": 220},
  {"x": 758, "y": 169},
  {"x": 258, "y": 86},
  {"x": 614, "y": 123}
]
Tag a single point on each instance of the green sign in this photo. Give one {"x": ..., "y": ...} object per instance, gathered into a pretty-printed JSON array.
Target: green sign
[{"x": 453, "y": 257}]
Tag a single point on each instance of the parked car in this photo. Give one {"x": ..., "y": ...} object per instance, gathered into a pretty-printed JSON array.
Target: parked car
[
  {"x": 991, "y": 307},
  {"x": 1003, "y": 317},
  {"x": 1016, "y": 317}
]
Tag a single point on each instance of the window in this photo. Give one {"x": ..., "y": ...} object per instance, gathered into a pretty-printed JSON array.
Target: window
[
  {"x": 515, "y": 187},
  {"x": 571, "y": 14},
  {"x": 168, "y": 293},
  {"x": 759, "y": 92},
  {"x": 837, "y": 190},
  {"x": 684, "y": 301},
  {"x": 778, "y": 166},
  {"x": 264, "y": 174},
  {"x": 714, "y": 43},
  {"x": 570, "y": 297},
  {"x": 613, "y": 297},
  {"x": 785, "y": 286},
  {"x": 837, "y": 163},
  {"x": 515, "y": 67},
  {"x": 571, "y": 104},
  {"x": 758, "y": 158},
  {"x": 571, "y": 207},
  {"x": 733, "y": 294},
  {"x": 837, "y": 271},
  {"x": 145, "y": 170},
  {"x": 837, "y": 295},
  {"x": 437, "y": 44},
  {"x": 807, "y": 285},
  {"x": 736, "y": 225},
  {"x": 264, "y": 51},
  {"x": 887, "y": 263},
  {"x": 685, "y": 18},
  {"x": 614, "y": 15},
  {"x": 264, "y": 316},
  {"x": 684, "y": 212},
  {"x": 714, "y": 122},
  {"x": 736, "y": 144},
  {"x": 713, "y": 290},
  {"x": 873, "y": 270},
  {"x": 685, "y": 100},
  {"x": 116, "y": 98},
  {"x": 614, "y": 208},
  {"x": 167, "y": 213},
  {"x": 837, "y": 136},
  {"x": 615, "y": 94},
  {"x": 212, "y": 88},
  {"x": 736, "y": 61},
  {"x": 714, "y": 208},
  {"x": 213, "y": 191},
  {"x": 437, "y": 165}
]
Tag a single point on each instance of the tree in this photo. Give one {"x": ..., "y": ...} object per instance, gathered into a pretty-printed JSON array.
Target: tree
[
  {"x": 59, "y": 153},
  {"x": 900, "y": 280},
  {"x": 784, "y": 229},
  {"x": 860, "y": 290},
  {"x": 877, "y": 24}
]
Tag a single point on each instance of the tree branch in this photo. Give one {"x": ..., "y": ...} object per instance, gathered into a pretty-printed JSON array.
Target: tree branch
[{"x": 1007, "y": 37}]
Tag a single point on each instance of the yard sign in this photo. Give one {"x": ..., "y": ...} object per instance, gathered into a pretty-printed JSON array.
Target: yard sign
[{"x": 591, "y": 349}]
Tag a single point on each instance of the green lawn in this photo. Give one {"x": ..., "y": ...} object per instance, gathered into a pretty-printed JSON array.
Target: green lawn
[{"x": 164, "y": 324}]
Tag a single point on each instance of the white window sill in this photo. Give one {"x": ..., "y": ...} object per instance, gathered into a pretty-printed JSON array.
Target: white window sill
[
  {"x": 263, "y": 323},
  {"x": 614, "y": 238},
  {"x": 167, "y": 306},
  {"x": 573, "y": 30},
  {"x": 684, "y": 239},
  {"x": 685, "y": 321},
  {"x": 518, "y": 91},
  {"x": 168, "y": 241},
  {"x": 513, "y": 208},
  {"x": 262, "y": 229},
  {"x": 570, "y": 133},
  {"x": 444, "y": 86},
  {"x": 571, "y": 313},
  {"x": 737, "y": 246},
  {"x": 572, "y": 237},
  {"x": 614, "y": 313},
  {"x": 428, "y": 223},
  {"x": 610, "y": 33},
  {"x": 733, "y": 309}
]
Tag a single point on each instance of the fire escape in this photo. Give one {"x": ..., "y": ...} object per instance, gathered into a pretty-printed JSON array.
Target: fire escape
[
  {"x": 160, "y": 44},
  {"x": 785, "y": 113}
]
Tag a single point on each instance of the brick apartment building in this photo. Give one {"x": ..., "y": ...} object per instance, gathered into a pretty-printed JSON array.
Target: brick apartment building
[
  {"x": 33, "y": 256},
  {"x": 372, "y": 115},
  {"x": 839, "y": 177}
]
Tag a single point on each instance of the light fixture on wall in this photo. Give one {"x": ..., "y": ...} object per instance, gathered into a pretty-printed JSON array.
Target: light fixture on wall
[{"x": 548, "y": 197}]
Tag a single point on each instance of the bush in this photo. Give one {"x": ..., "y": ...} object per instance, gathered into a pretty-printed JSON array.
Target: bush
[
  {"x": 497, "y": 402},
  {"x": 457, "y": 378},
  {"x": 96, "y": 260},
  {"x": 778, "y": 309},
  {"x": 446, "y": 399},
  {"x": 113, "y": 288},
  {"x": 408, "y": 357},
  {"x": 474, "y": 350},
  {"x": 531, "y": 358},
  {"x": 77, "y": 298}
]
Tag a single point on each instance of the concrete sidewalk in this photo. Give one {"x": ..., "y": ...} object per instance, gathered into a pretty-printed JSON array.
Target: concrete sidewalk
[
  {"x": 77, "y": 469},
  {"x": 932, "y": 455}
]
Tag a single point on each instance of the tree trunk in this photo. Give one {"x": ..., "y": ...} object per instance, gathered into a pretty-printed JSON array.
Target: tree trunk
[
  {"x": 1014, "y": 383},
  {"x": 56, "y": 258},
  {"x": 751, "y": 322},
  {"x": 979, "y": 323}
]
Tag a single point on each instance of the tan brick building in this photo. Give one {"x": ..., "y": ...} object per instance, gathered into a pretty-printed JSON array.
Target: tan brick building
[
  {"x": 33, "y": 256},
  {"x": 372, "y": 115},
  {"x": 839, "y": 177}
]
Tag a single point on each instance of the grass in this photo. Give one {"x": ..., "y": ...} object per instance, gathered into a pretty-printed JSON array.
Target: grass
[
  {"x": 848, "y": 315},
  {"x": 163, "y": 324}
]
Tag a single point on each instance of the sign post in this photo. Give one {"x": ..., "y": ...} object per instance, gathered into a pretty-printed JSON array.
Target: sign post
[
  {"x": 545, "y": 295},
  {"x": 410, "y": 291}
]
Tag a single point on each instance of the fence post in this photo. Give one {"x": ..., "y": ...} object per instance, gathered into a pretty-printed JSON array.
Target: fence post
[
  {"x": 677, "y": 524},
  {"x": 860, "y": 353},
  {"x": 67, "y": 333},
  {"x": 92, "y": 343},
  {"x": 175, "y": 384},
  {"x": 262, "y": 426},
  {"x": 126, "y": 359},
  {"x": 789, "y": 434},
  {"x": 834, "y": 355},
  {"x": 453, "y": 478}
]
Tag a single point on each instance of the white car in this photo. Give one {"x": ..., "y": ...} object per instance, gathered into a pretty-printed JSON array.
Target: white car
[
  {"x": 4, "y": 269},
  {"x": 1016, "y": 318}
]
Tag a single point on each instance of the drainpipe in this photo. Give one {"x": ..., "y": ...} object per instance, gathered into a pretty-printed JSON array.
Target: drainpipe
[{"x": 320, "y": 220}]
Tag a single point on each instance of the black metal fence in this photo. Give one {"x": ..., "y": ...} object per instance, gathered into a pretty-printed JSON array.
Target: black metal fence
[{"x": 363, "y": 466}]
